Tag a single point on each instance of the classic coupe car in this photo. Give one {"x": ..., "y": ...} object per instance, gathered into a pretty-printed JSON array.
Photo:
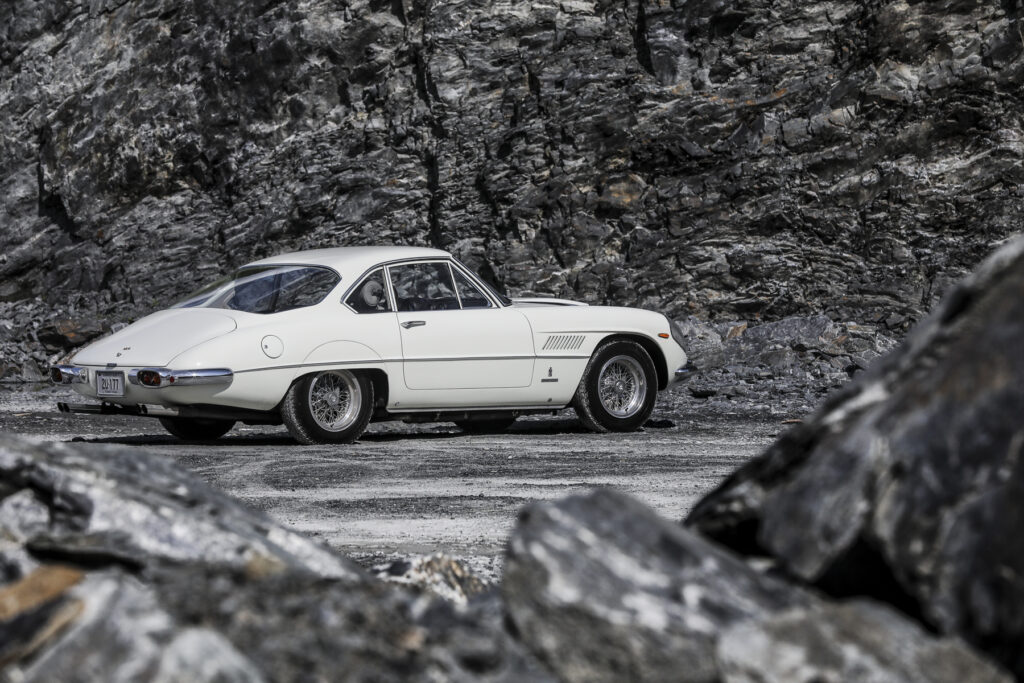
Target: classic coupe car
[{"x": 327, "y": 340}]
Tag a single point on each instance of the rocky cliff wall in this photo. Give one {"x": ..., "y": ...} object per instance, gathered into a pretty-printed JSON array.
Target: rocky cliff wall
[{"x": 739, "y": 160}]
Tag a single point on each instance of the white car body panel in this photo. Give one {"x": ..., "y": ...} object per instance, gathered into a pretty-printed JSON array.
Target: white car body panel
[
  {"x": 489, "y": 348},
  {"x": 156, "y": 339},
  {"x": 531, "y": 354}
]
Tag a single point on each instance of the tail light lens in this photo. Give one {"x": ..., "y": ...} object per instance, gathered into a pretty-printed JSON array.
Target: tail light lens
[{"x": 149, "y": 378}]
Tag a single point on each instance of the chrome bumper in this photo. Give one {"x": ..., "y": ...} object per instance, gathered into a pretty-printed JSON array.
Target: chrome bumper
[
  {"x": 71, "y": 374},
  {"x": 182, "y": 378},
  {"x": 686, "y": 372}
]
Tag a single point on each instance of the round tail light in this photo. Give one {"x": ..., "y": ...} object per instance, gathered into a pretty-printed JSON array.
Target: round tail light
[{"x": 149, "y": 378}]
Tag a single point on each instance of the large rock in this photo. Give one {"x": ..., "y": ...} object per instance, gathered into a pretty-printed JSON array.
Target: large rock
[
  {"x": 754, "y": 160},
  {"x": 120, "y": 566},
  {"x": 194, "y": 623},
  {"x": 603, "y": 589},
  {"x": 909, "y": 484},
  {"x": 97, "y": 505}
]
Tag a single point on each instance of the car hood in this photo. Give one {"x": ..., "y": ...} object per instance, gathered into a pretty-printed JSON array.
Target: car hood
[{"x": 156, "y": 339}]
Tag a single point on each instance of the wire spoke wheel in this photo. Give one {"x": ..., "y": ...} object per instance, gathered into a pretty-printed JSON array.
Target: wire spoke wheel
[
  {"x": 618, "y": 389},
  {"x": 334, "y": 401},
  {"x": 622, "y": 386}
]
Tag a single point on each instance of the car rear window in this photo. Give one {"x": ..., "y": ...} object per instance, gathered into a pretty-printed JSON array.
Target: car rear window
[{"x": 269, "y": 289}]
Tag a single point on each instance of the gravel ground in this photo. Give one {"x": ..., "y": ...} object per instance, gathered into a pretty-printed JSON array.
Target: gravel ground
[{"x": 410, "y": 489}]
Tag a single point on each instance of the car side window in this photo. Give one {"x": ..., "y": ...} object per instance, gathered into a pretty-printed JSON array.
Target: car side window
[
  {"x": 469, "y": 293},
  {"x": 371, "y": 295},
  {"x": 423, "y": 287}
]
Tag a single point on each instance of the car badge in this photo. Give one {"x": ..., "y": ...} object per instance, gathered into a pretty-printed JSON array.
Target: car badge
[{"x": 549, "y": 371}]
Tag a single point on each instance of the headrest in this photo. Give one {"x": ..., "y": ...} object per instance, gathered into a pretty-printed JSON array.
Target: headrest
[{"x": 372, "y": 293}]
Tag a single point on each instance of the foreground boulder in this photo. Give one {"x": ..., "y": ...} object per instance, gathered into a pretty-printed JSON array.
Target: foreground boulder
[
  {"x": 909, "y": 484},
  {"x": 107, "y": 506},
  {"x": 603, "y": 589},
  {"x": 119, "y": 566}
]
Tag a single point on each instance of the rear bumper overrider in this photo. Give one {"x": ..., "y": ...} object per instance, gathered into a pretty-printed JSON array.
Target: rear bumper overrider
[{"x": 69, "y": 374}]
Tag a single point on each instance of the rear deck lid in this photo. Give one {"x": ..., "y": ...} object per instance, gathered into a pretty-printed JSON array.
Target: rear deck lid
[{"x": 157, "y": 338}]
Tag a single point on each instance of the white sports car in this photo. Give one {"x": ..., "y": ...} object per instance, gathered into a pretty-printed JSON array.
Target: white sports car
[{"x": 327, "y": 340}]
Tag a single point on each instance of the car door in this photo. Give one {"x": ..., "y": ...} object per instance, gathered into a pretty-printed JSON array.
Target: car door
[{"x": 454, "y": 336}]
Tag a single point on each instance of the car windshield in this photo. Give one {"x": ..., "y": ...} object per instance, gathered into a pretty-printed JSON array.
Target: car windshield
[{"x": 266, "y": 289}]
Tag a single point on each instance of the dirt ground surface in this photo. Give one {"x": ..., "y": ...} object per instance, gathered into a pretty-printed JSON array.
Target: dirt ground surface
[{"x": 411, "y": 489}]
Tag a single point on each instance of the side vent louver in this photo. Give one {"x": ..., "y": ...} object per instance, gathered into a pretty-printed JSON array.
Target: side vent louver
[{"x": 563, "y": 342}]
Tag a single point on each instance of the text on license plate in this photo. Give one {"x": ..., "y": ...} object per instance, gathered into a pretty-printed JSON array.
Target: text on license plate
[{"x": 110, "y": 384}]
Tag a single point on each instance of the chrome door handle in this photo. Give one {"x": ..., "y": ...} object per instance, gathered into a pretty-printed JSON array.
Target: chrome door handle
[{"x": 414, "y": 323}]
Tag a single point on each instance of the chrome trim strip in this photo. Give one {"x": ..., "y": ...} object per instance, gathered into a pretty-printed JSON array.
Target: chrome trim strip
[
  {"x": 319, "y": 365},
  {"x": 183, "y": 378},
  {"x": 379, "y": 361},
  {"x": 477, "y": 408},
  {"x": 201, "y": 377}
]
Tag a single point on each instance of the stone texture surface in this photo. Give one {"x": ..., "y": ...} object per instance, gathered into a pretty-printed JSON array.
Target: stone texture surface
[
  {"x": 749, "y": 160},
  {"x": 602, "y": 589},
  {"x": 162, "y": 578},
  {"x": 106, "y": 505},
  {"x": 907, "y": 484},
  {"x": 855, "y": 641},
  {"x": 784, "y": 365}
]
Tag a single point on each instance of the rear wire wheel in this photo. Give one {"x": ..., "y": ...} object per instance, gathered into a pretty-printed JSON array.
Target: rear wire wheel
[
  {"x": 328, "y": 407},
  {"x": 619, "y": 388},
  {"x": 196, "y": 428}
]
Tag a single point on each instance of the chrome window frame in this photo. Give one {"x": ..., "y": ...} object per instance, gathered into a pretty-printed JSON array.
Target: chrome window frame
[
  {"x": 362, "y": 278},
  {"x": 422, "y": 261},
  {"x": 483, "y": 290},
  {"x": 326, "y": 296},
  {"x": 453, "y": 264}
]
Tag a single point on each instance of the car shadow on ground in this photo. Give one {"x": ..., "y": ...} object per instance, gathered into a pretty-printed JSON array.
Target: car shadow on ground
[
  {"x": 399, "y": 433},
  {"x": 411, "y": 433},
  {"x": 168, "y": 440}
]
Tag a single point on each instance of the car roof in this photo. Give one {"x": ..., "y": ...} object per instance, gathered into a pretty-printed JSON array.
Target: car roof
[{"x": 350, "y": 261}]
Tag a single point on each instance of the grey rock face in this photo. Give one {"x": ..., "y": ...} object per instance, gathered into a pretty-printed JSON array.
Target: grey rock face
[
  {"x": 111, "y": 627},
  {"x": 759, "y": 160},
  {"x": 292, "y": 625},
  {"x": 789, "y": 363},
  {"x": 602, "y": 589},
  {"x": 854, "y": 641},
  {"x": 162, "y": 578},
  {"x": 104, "y": 505},
  {"x": 907, "y": 485}
]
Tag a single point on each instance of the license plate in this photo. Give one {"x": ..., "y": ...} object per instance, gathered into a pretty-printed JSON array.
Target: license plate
[{"x": 110, "y": 384}]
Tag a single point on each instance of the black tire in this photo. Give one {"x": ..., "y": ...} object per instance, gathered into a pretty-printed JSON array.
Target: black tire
[
  {"x": 304, "y": 406},
  {"x": 196, "y": 428},
  {"x": 630, "y": 361},
  {"x": 495, "y": 425}
]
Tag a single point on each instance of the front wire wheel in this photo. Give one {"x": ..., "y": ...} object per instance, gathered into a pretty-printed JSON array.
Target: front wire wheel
[
  {"x": 334, "y": 406},
  {"x": 618, "y": 389}
]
